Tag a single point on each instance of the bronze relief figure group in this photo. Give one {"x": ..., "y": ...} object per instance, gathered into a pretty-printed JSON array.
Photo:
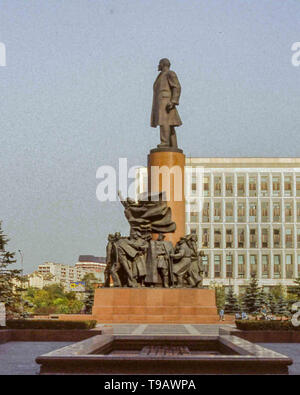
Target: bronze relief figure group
[{"x": 139, "y": 261}]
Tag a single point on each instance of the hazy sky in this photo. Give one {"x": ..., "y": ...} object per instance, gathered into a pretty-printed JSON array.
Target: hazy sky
[{"x": 77, "y": 90}]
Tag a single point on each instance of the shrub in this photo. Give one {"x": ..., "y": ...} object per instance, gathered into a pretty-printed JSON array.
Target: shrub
[
  {"x": 50, "y": 324},
  {"x": 265, "y": 325}
]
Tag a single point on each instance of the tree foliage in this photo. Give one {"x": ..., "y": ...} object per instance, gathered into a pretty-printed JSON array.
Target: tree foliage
[
  {"x": 53, "y": 299},
  {"x": 231, "y": 302},
  {"x": 90, "y": 282},
  {"x": 252, "y": 297},
  {"x": 10, "y": 292},
  {"x": 220, "y": 294}
]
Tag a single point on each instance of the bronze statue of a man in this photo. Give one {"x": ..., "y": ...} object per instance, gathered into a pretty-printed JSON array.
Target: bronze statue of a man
[{"x": 166, "y": 93}]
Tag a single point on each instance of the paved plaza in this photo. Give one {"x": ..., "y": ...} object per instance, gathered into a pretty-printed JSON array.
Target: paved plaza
[{"x": 18, "y": 358}]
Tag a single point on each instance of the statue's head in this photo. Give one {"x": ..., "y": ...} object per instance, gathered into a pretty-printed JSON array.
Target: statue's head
[
  {"x": 110, "y": 237},
  {"x": 161, "y": 237},
  {"x": 194, "y": 237},
  {"x": 163, "y": 63}
]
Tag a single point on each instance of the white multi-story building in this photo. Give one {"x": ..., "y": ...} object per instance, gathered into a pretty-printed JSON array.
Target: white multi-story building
[
  {"x": 68, "y": 276},
  {"x": 246, "y": 213}
]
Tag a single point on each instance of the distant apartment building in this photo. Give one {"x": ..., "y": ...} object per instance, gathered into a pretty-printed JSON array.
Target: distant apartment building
[
  {"x": 246, "y": 214},
  {"x": 67, "y": 275},
  {"x": 91, "y": 263}
]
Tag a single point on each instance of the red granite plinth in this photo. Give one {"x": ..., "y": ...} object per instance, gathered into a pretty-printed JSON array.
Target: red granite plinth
[{"x": 155, "y": 306}]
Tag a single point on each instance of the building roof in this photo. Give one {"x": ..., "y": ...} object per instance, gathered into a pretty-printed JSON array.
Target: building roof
[
  {"x": 243, "y": 162},
  {"x": 91, "y": 258}
]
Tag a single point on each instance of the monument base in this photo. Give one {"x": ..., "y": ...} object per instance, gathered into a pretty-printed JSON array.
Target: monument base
[{"x": 155, "y": 306}]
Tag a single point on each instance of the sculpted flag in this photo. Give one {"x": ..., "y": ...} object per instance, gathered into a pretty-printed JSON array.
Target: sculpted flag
[{"x": 150, "y": 213}]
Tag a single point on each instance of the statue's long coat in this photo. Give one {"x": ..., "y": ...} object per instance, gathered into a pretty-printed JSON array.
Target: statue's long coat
[
  {"x": 153, "y": 263},
  {"x": 182, "y": 259},
  {"x": 166, "y": 89}
]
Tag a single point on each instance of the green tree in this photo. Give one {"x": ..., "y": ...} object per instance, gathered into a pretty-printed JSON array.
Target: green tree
[
  {"x": 10, "y": 279},
  {"x": 251, "y": 299},
  {"x": 294, "y": 290},
  {"x": 279, "y": 291},
  {"x": 272, "y": 304},
  {"x": 90, "y": 283},
  {"x": 231, "y": 302},
  {"x": 220, "y": 294},
  {"x": 281, "y": 309},
  {"x": 53, "y": 299}
]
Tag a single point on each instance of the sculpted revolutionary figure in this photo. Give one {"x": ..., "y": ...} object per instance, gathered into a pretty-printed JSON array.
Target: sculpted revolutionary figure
[
  {"x": 139, "y": 261},
  {"x": 166, "y": 93},
  {"x": 159, "y": 262},
  {"x": 182, "y": 261},
  {"x": 195, "y": 273},
  {"x": 112, "y": 265}
]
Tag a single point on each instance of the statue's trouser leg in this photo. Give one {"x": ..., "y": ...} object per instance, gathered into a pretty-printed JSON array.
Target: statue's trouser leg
[
  {"x": 128, "y": 270},
  {"x": 165, "y": 132},
  {"x": 179, "y": 281},
  {"x": 165, "y": 276},
  {"x": 115, "y": 276},
  {"x": 173, "y": 138},
  {"x": 107, "y": 276}
]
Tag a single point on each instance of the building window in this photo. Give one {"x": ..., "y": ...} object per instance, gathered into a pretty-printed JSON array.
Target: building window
[
  {"x": 194, "y": 217},
  {"x": 229, "y": 185},
  {"x": 194, "y": 188},
  {"x": 298, "y": 238},
  {"x": 265, "y": 212},
  {"x": 288, "y": 209},
  {"x": 289, "y": 266},
  {"x": 217, "y": 238},
  {"x": 252, "y": 212},
  {"x": 206, "y": 212},
  {"x": 205, "y": 237},
  {"x": 252, "y": 186},
  {"x": 253, "y": 264},
  {"x": 276, "y": 212},
  {"x": 241, "y": 266},
  {"x": 298, "y": 186},
  {"x": 206, "y": 186},
  {"x": 241, "y": 186},
  {"x": 287, "y": 186},
  {"x": 217, "y": 266},
  {"x": 217, "y": 212},
  {"x": 205, "y": 266},
  {"x": 276, "y": 185},
  {"x": 265, "y": 266},
  {"x": 229, "y": 238},
  {"x": 277, "y": 269},
  {"x": 241, "y": 212},
  {"x": 289, "y": 238},
  {"x": 217, "y": 185},
  {"x": 264, "y": 185},
  {"x": 241, "y": 238},
  {"x": 253, "y": 238},
  {"x": 229, "y": 266},
  {"x": 265, "y": 238},
  {"x": 298, "y": 211},
  {"x": 229, "y": 212},
  {"x": 276, "y": 238}
]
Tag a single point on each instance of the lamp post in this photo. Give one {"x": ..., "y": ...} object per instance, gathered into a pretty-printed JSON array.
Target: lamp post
[{"x": 22, "y": 271}]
